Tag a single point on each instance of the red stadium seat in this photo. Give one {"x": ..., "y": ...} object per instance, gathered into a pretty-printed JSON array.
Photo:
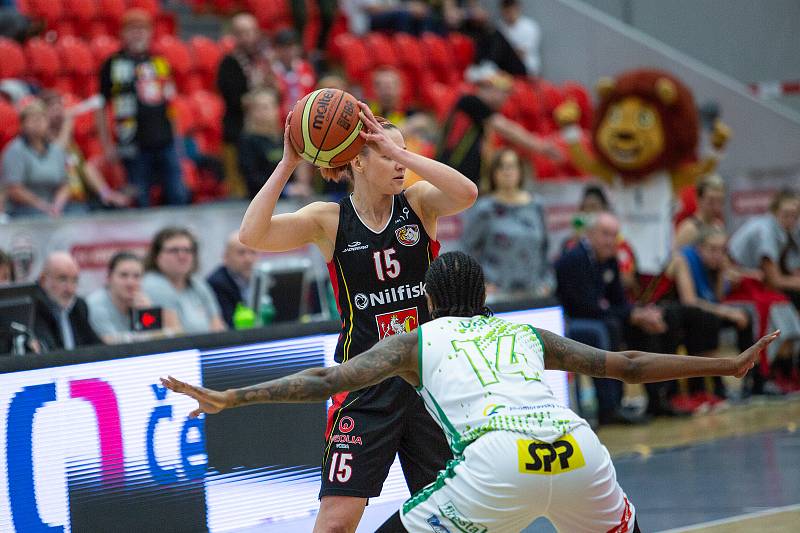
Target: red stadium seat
[
  {"x": 50, "y": 11},
  {"x": 109, "y": 17},
  {"x": 185, "y": 116},
  {"x": 179, "y": 57},
  {"x": 13, "y": 62},
  {"x": 440, "y": 97},
  {"x": 440, "y": 59},
  {"x": 356, "y": 58},
  {"x": 9, "y": 122},
  {"x": 84, "y": 126},
  {"x": 102, "y": 47},
  {"x": 463, "y": 49},
  {"x": 165, "y": 24},
  {"x": 272, "y": 15},
  {"x": 207, "y": 56},
  {"x": 43, "y": 61},
  {"x": 226, "y": 44},
  {"x": 208, "y": 109},
  {"x": 381, "y": 50},
  {"x": 79, "y": 63},
  {"x": 80, "y": 11},
  {"x": 151, "y": 6}
]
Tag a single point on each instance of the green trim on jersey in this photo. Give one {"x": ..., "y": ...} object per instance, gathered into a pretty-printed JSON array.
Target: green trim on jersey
[
  {"x": 419, "y": 357},
  {"x": 456, "y": 444},
  {"x": 538, "y": 338},
  {"x": 424, "y": 494}
]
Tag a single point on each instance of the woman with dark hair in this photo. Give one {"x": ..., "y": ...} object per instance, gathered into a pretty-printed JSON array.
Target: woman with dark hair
[
  {"x": 378, "y": 242},
  {"x": 171, "y": 284},
  {"x": 111, "y": 307},
  {"x": 506, "y": 231}
]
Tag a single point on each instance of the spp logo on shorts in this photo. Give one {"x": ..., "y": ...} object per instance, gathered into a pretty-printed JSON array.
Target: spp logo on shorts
[{"x": 537, "y": 457}]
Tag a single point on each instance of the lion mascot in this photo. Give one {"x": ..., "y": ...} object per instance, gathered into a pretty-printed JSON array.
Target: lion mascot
[{"x": 645, "y": 137}]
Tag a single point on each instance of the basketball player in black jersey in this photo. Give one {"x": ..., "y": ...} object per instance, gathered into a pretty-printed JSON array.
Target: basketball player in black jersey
[{"x": 378, "y": 243}]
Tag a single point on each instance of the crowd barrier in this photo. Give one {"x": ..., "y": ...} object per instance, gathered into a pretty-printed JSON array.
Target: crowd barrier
[{"x": 90, "y": 440}]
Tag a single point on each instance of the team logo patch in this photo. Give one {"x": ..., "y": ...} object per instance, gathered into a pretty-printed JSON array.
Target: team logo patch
[
  {"x": 396, "y": 322},
  {"x": 346, "y": 424},
  {"x": 537, "y": 457},
  {"x": 361, "y": 300},
  {"x": 408, "y": 235}
]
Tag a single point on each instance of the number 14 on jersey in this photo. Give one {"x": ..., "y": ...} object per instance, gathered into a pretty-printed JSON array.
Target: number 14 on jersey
[{"x": 504, "y": 360}]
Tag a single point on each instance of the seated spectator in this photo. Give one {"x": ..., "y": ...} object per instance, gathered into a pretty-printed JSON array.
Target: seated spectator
[
  {"x": 138, "y": 86},
  {"x": 710, "y": 212},
  {"x": 170, "y": 282},
  {"x": 245, "y": 69},
  {"x": 409, "y": 16},
  {"x": 6, "y": 269},
  {"x": 523, "y": 35},
  {"x": 388, "y": 88},
  {"x": 590, "y": 290},
  {"x": 261, "y": 146},
  {"x": 62, "y": 317},
  {"x": 507, "y": 233},
  {"x": 771, "y": 244},
  {"x": 294, "y": 75},
  {"x": 461, "y": 146},
  {"x": 86, "y": 183},
  {"x": 111, "y": 307},
  {"x": 231, "y": 281},
  {"x": 34, "y": 169}
]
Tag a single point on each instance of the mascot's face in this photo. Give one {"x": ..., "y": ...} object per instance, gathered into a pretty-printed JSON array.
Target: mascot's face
[{"x": 631, "y": 134}]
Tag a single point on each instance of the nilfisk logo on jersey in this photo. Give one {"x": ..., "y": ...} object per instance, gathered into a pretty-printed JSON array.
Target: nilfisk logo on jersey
[
  {"x": 396, "y": 322},
  {"x": 467, "y": 526},
  {"x": 408, "y": 235},
  {"x": 354, "y": 247},
  {"x": 389, "y": 296},
  {"x": 436, "y": 524}
]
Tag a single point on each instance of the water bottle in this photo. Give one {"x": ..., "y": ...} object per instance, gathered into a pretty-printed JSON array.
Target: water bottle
[
  {"x": 243, "y": 317},
  {"x": 266, "y": 309}
]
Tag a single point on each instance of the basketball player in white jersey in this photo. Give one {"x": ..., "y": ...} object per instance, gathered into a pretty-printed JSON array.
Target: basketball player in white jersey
[{"x": 519, "y": 453}]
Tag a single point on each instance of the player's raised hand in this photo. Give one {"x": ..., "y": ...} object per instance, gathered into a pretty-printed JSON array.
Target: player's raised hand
[
  {"x": 290, "y": 155},
  {"x": 747, "y": 359},
  {"x": 373, "y": 132},
  {"x": 210, "y": 401}
]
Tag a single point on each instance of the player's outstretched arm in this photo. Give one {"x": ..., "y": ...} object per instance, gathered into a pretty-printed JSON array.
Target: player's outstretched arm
[
  {"x": 393, "y": 356},
  {"x": 644, "y": 367}
]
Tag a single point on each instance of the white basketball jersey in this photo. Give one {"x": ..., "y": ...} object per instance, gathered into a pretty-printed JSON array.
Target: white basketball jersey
[{"x": 484, "y": 374}]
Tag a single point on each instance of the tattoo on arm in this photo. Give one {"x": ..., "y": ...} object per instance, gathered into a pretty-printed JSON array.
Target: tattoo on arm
[
  {"x": 390, "y": 357},
  {"x": 565, "y": 354}
]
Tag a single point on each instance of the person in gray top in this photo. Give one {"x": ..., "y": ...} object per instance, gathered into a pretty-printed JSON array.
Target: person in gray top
[
  {"x": 34, "y": 169},
  {"x": 506, "y": 232},
  {"x": 110, "y": 306},
  {"x": 171, "y": 284},
  {"x": 771, "y": 244}
]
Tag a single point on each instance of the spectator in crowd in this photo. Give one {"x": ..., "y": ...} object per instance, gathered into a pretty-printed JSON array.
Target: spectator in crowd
[
  {"x": 6, "y": 269},
  {"x": 461, "y": 144},
  {"x": 771, "y": 243},
  {"x": 170, "y": 282},
  {"x": 261, "y": 145},
  {"x": 34, "y": 169},
  {"x": 295, "y": 76},
  {"x": 387, "y": 84},
  {"x": 709, "y": 213},
  {"x": 86, "y": 183},
  {"x": 506, "y": 232},
  {"x": 590, "y": 289},
  {"x": 245, "y": 69},
  {"x": 409, "y": 16},
  {"x": 62, "y": 317},
  {"x": 231, "y": 281},
  {"x": 523, "y": 35},
  {"x": 111, "y": 307},
  {"x": 139, "y": 87}
]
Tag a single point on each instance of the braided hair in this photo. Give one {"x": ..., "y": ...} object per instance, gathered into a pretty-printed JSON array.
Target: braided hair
[{"x": 454, "y": 282}]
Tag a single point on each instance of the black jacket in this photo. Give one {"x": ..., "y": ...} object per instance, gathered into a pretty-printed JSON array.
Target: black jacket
[
  {"x": 48, "y": 332},
  {"x": 227, "y": 291}
]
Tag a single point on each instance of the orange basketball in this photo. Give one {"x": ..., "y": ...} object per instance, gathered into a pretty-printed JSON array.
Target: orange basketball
[{"x": 324, "y": 128}]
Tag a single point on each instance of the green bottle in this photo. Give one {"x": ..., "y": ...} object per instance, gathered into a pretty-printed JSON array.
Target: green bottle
[
  {"x": 266, "y": 309},
  {"x": 333, "y": 308},
  {"x": 243, "y": 317}
]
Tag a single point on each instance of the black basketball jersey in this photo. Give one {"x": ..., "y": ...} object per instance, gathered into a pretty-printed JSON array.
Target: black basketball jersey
[{"x": 378, "y": 277}]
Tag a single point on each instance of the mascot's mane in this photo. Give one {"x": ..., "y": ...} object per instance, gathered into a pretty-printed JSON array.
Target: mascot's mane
[{"x": 678, "y": 117}]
